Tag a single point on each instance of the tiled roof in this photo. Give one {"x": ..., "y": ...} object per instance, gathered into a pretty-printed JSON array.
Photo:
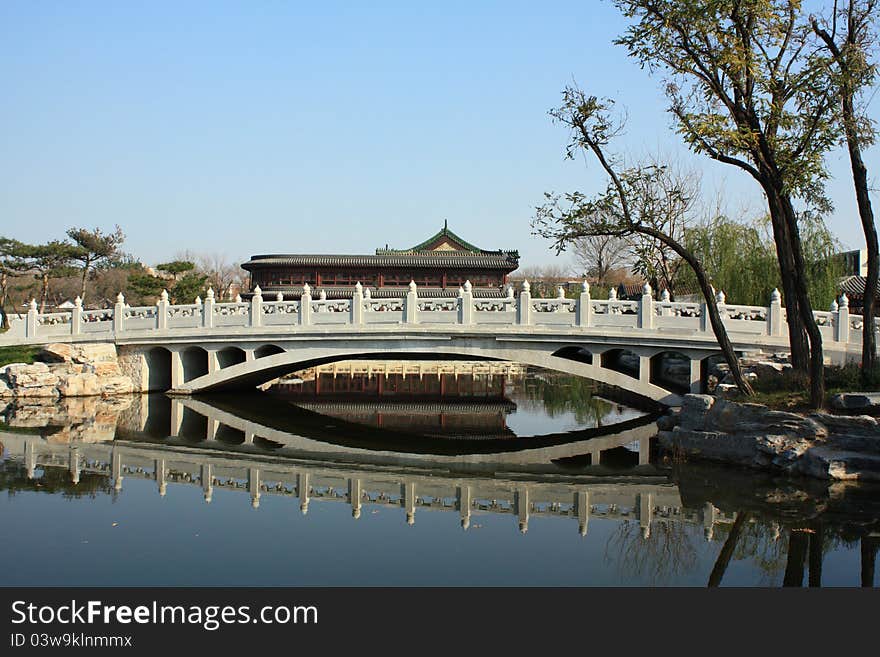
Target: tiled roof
[
  {"x": 507, "y": 260},
  {"x": 854, "y": 286}
]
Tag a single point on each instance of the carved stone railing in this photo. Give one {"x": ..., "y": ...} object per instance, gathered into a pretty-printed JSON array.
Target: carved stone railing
[{"x": 645, "y": 314}]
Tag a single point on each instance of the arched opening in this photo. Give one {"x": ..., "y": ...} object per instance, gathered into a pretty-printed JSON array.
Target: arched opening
[
  {"x": 229, "y": 436},
  {"x": 195, "y": 363},
  {"x": 158, "y": 362},
  {"x": 193, "y": 426},
  {"x": 268, "y": 350},
  {"x": 619, "y": 458},
  {"x": 158, "y": 424},
  {"x": 577, "y": 354},
  {"x": 230, "y": 356},
  {"x": 621, "y": 360},
  {"x": 671, "y": 370}
]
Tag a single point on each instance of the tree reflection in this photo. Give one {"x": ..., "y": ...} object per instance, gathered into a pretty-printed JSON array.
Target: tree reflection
[
  {"x": 668, "y": 552},
  {"x": 561, "y": 394}
]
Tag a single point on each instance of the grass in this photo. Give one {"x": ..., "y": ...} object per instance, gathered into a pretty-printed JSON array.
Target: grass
[
  {"x": 790, "y": 392},
  {"x": 21, "y": 354}
]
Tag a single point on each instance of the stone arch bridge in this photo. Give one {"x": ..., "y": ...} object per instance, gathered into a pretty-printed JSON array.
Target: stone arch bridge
[{"x": 209, "y": 346}]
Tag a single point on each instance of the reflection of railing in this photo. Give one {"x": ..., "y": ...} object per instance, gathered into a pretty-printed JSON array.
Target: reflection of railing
[
  {"x": 534, "y": 495},
  {"x": 646, "y": 314}
]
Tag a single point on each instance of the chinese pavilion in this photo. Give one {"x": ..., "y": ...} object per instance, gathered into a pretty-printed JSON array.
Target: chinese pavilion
[{"x": 439, "y": 266}]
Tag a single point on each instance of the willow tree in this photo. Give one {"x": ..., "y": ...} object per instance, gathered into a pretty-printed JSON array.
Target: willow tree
[
  {"x": 849, "y": 36},
  {"x": 640, "y": 201},
  {"x": 748, "y": 89}
]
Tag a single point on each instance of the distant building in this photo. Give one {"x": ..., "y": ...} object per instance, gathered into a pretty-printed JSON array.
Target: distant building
[
  {"x": 855, "y": 263},
  {"x": 439, "y": 266}
]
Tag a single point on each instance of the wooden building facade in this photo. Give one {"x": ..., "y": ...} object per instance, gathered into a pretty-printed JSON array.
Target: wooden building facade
[{"x": 439, "y": 266}]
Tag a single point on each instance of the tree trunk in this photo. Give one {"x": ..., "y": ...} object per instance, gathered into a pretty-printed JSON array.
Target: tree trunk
[
  {"x": 727, "y": 550},
  {"x": 860, "y": 181},
  {"x": 797, "y": 335},
  {"x": 816, "y": 550},
  {"x": 869, "y": 557},
  {"x": 82, "y": 289},
  {"x": 44, "y": 292},
  {"x": 4, "y": 284},
  {"x": 794, "y": 564}
]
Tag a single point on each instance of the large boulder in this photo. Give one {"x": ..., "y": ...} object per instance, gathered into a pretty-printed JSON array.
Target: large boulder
[
  {"x": 79, "y": 385},
  {"x": 116, "y": 385},
  {"x": 31, "y": 380}
]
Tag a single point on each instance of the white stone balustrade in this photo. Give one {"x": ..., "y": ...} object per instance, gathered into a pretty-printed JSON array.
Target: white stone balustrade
[{"x": 581, "y": 313}]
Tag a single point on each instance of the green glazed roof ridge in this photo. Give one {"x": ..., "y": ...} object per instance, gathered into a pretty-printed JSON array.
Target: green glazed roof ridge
[{"x": 443, "y": 232}]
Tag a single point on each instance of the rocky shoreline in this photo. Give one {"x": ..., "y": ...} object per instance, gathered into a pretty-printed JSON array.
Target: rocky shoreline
[
  {"x": 817, "y": 445},
  {"x": 67, "y": 370}
]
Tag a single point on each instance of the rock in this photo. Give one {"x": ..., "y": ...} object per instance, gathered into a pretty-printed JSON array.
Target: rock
[
  {"x": 5, "y": 390},
  {"x": 856, "y": 401},
  {"x": 116, "y": 385},
  {"x": 668, "y": 422},
  {"x": 35, "y": 380},
  {"x": 79, "y": 385},
  {"x": 58, "y": 352}
]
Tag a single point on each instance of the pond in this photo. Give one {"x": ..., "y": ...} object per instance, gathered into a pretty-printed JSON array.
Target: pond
[{"x": 493, "y": 475}]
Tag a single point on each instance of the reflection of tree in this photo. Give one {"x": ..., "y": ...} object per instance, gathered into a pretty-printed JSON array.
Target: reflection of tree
[
  {"x": 562, "y": 394},
  {"x": 727, "y": 549},
  {"x": 668, "y": 552}
]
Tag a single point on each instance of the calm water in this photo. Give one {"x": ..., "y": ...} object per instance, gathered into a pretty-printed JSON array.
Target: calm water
[{"x": 510, "y": 479}]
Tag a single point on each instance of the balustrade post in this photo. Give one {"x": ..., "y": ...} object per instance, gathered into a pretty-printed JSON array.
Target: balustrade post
[
  {"x": 76, "y": 317},
  {"x": 774, "y": 314},
  {"x": 411, "y": 305},
  {"x": 705, "y": 322},
  {"x": 356, "y": 312},
  {"x": 208, "y": 309},
  {"x": 524, "y": 305},
  {"x": 585, "y": 306},
  {"x": 305, "y": 306},
  {"x": 646, "y": 308},
  {"x": 162, "y": 311},
  {"x": 466, "y": 304},
  {"x": 721, "y": 302},
  {"x": 664, "y": 298},
  {"x": 119, "y": 314},
  {"x": 32, "y": 323},
  {"x": 842, "y": 327},
  {"x": 256, "y": 318}
]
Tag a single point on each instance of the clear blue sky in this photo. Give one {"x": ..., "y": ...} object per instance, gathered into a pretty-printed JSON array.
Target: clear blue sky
[{"x": 254, "y": 127}]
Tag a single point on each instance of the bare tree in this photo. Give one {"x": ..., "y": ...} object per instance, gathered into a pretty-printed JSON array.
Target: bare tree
[{"x": 601, "y": 256}]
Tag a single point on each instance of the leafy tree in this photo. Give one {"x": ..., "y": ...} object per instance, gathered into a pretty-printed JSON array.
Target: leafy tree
[
  {"x": 13, "y": 263},
  {"x": 746, "y": 89},
  {"x": 48, "y": 261},
  {"x": 854, "y": 73},
  {"x": 94, "y": 249},
  {"x": 633, "y": 203},
  {"x": 188, "y": 288}
]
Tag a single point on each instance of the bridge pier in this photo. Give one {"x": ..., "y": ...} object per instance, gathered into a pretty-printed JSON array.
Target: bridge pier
[
  {"x": 177, "y": 379},
  {"x": 709, "y": 513},
  {"x": 211, "y": 431},
  {"x": 176, "y": 417},
  {"x": 30, "y": 459},
  {"x": 696, "y": 376},
  {"x": 644, "y": 451},
  {"x": 645, "y": 369}
]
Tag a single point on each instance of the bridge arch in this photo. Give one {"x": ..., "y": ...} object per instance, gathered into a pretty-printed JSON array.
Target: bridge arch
[
  {"x": 624, "y": 361},
  {"x": 194, "y": 361},
  {"x": 575, "y": 353},
  {"x": 317, "y": 352},
  {"x": 158, "y": 362},
  {"x": 267, "y": 350},
  {"x": 671, "y": 370},
  {"x": 230, "y": 356}
]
